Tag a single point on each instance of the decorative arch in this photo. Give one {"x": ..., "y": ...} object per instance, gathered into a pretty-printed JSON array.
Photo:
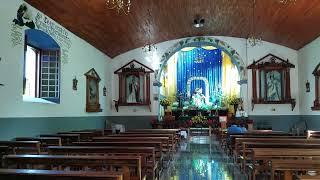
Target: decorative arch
[
  {"x": 203, "y": 41},
  {"x": 198, "y": 78}
]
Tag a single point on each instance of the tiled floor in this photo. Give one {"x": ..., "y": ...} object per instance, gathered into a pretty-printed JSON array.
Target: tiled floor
[{"x": 201, "y": 158}]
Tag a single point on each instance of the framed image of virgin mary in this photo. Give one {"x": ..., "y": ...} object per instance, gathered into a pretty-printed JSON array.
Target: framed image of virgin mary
[
  {"x": 134, "y": 85},
  {"x": 273, "y": 86},
  {"x": 271, "y": 81},
  {"x": 133, "y": 92},
  {"x": 92, "y": 91}
]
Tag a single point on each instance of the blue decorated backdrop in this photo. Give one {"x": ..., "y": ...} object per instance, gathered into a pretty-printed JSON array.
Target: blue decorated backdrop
[{"x": 200, "y": 62}]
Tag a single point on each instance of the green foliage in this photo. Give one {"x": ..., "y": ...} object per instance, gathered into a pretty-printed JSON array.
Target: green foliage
[
  {"x": 199, "y": 119},
  {"x": 233, "y": 99},
  {"x": 165, "y": 102}
]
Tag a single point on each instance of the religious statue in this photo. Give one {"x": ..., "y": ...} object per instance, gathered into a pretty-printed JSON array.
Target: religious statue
[
  {"x": 134, "y": 91},
  {"x": 198, "y": 99}
]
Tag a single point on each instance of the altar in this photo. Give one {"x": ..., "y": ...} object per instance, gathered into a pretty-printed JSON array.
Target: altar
[{"x": 198, "y": 82}]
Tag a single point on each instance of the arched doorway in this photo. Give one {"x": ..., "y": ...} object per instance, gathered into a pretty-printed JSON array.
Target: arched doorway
[{"x": 201, "y": 42}]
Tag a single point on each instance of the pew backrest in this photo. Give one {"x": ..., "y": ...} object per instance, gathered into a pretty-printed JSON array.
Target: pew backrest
[{"x": 22, "y": 174}]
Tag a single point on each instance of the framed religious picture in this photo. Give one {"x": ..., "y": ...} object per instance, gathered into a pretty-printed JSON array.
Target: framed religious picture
[
  {"x": 271, "y": 81},
  {"x": 134, "y": 85},
  {"x": 273, "y": 86},
  {"x": 92, "y": 91},
  {"x": 133, "y": 93},
  {"x": 316, "y": 102}
]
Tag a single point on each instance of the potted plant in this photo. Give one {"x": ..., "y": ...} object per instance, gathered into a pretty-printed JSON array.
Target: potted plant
[
  {"x": 165, "y": 102},
  {"x": 234, "y": 101}
]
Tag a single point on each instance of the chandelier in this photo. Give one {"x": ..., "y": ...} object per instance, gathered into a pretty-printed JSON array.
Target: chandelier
[
  {"x": 119, "y": 5},
  {"x": 149, "y": 47},
  {"x": 253, "y": 40},
  {"x": 287, "y": 1}
]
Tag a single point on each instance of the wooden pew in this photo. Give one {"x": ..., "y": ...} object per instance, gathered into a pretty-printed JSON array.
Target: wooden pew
[
  {"x": 156, "y": 144},
  {"x": 248, "y": 147},
  {"x": 130, "y": 165},
  {"x": 27, "y": 174},
  {"x": 67, "y": 139},
  {"x": 164, "y": 140},
  {"x": 308, "y": 177},
  {"x": 97, "y": 132},
  {"x": 45, "y": 141},
  {"x": 148, "y": 160},
  {"x": 266, "y": 155},
  {"x": 236, "y": 140},
  {"x": 175, "y": 132},
  {"x": 155, "y": 130},
  {"x": 236, "y": 151},
  {"x": 22, "y": 147},
  {"x": 163, "y": 154},
  {"x": 290, "y": 165},
  {"x": 170, "y": 136},
  {"x": 84, "y": 135},
  {"x": 4, "y": 150},
  {"x": 313, "y": 134},
  {"x": 107, "y": 132}
]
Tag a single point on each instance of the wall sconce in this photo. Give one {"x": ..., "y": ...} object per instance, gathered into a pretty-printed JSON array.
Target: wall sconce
[
  {"x": 75, "y": 84},
  {"x": 307, "y": 86},
  {"x": 104, "y": 91},
  {"x": 116, "y": 105}
]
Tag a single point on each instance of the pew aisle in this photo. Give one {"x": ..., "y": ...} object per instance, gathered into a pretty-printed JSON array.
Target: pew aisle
[{"x": 202, "y": 158}]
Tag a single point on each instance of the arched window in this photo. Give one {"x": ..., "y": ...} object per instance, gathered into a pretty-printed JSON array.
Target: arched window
[
  {"x": 316, "y": 103},
  {"x": 41, "y": 81}
]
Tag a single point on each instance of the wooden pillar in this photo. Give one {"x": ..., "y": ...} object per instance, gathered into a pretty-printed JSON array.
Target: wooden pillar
[
  {"x": 316, "y": 102},
  {"x": 254, "y": 84},
  {"x": 120, "y": 88},
  {"x": 148, "y": 88},
  {"x": 288, "y": 89}
]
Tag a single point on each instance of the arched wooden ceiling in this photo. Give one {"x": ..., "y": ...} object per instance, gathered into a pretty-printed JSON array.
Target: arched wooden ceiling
[{"x": 291, "y": 25}]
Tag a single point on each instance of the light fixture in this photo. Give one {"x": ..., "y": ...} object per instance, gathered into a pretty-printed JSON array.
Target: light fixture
[
  {"x": 307, "y": 86},
  {"x": 287, "y": 1},
  {"x": 198, "y": 22},
  {"x": 149, "y": 47},
  {"x": 253, "y": 40},
  {"x": 119, "y": 5},
  {"x": 104, "y": 91}
]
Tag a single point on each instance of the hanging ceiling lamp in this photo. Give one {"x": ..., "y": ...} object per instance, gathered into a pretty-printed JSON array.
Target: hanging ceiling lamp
[
  {"x": 253, "y": 40},
  {"x": 149, "y": 47},
  {"x": 119, "y": 5},
  {"x": 287, "y": 1}
]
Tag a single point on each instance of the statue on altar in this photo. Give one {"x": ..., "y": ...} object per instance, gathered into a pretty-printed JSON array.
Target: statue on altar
[{"x": 198, "y": 99}]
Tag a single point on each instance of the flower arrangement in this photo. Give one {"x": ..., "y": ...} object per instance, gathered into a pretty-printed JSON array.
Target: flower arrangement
[
  {"x": 165, "y": 102},
  {"x": 233, "y": 100},
  {"x": 199, "y": 119}
]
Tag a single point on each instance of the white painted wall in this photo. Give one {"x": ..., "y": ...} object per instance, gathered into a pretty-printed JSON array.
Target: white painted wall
[
  {"x": 309, "y": 58},
  {"x": 239, "y": 44},
  {"x": 82, "y": 57}
]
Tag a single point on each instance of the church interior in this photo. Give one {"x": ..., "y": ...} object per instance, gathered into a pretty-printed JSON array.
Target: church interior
[{"x": 160, "y": 90}]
